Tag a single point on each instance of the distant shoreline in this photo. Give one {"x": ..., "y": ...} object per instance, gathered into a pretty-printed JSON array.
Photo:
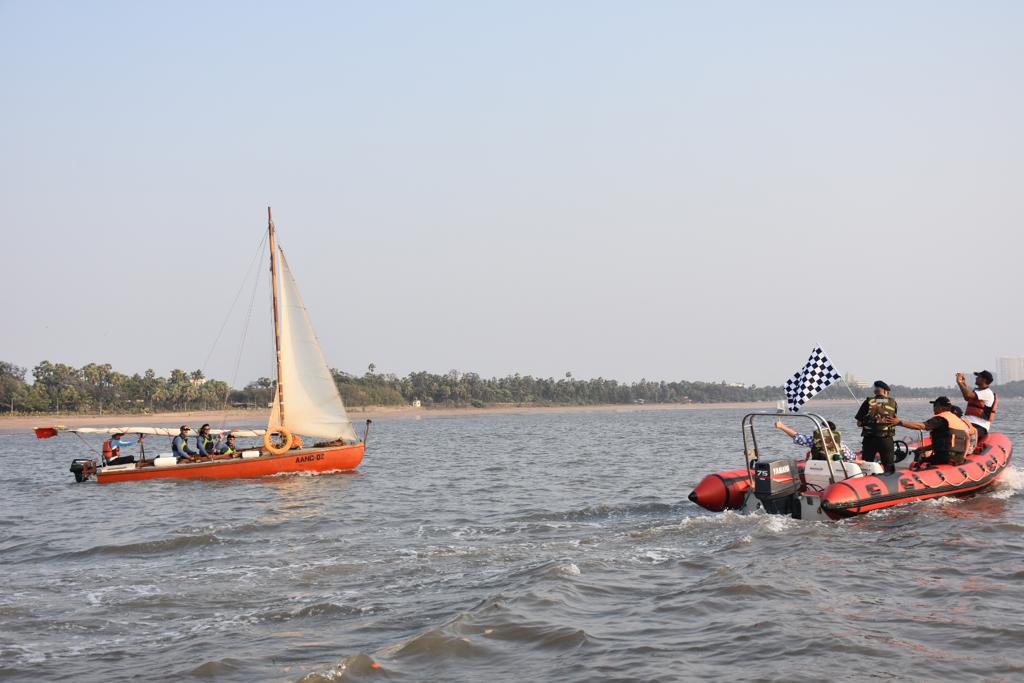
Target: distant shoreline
[{"x": 231, "y": 418}]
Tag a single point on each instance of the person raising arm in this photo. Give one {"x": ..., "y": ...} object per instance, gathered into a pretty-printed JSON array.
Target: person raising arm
[
  {"x": 816, "y": 442},
  {"x": 981, "y": 401}
]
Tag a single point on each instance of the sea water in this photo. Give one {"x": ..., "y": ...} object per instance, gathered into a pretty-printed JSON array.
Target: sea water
[{"x": 547, "y": 547}]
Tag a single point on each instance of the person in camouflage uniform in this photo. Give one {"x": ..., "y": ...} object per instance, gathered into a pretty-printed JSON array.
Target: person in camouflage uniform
[
  {"x": 872, "y": 418},
  {"x": 820, "y": 443}
]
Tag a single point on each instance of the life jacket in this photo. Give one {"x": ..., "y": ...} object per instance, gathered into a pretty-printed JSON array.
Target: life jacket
[
  {"x": 110, "y": 452},
  {"x": 972, "y": 437},
  {"x": 828, "y": 444},
  {"x": 955, "y": 441},
  {"x": 976, "y": 408},
  {"x": 297, "y": 442},
  {"x": 879, "y": 408},
  {"x": 208, "y": 443}
]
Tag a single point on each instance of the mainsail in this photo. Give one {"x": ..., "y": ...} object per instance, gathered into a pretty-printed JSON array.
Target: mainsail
[{"x": 312, "y": 403}]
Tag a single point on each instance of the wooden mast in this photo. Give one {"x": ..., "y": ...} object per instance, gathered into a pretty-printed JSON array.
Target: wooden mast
[{"x": 277, "y": 322}]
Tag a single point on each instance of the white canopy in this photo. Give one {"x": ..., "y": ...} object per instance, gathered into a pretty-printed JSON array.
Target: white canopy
[{"x": 155, "y": 431}]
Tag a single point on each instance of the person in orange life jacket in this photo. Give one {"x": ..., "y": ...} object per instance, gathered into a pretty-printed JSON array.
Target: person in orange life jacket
[
  {"x": 180, "y": 446},
  {"x": 949, "y": 434},
  {"x": 981, "y": 401},
  {"x": 112, "y": 450},
  {"x": 972, "y": 432}
]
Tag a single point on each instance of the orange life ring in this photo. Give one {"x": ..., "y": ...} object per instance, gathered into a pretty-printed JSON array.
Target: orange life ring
[{"x": 269, "y": 443}]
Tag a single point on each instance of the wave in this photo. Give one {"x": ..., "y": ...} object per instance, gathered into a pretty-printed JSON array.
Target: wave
[
  {"x": 354, "y": 667},
  {"x": 165, "y": 545},
  {"x": 1010, "y": 484},
  {"x": 308, "y": 473},
  {"x": 604, "y": 512},
  {"x": 217, "y": 669},
  {"x": 471, "y": 634}
]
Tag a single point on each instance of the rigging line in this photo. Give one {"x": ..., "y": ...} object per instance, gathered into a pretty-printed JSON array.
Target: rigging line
[
  {"x": 241, "y": 346},
  {"x": 91, "y": 447},
  {"x": 849, "y": 389},
  {"x": 224, "y": 322}
]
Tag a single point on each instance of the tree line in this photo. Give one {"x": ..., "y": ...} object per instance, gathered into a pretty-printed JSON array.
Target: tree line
[{"x": 98, "y": 388}]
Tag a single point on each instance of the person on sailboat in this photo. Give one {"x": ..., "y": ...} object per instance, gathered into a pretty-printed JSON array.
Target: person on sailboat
[
  {"x": 112, "y": 450},
  {"x": 204, "y": 442},
  {"x": 225, "y": 445},
  {"x": 180, "y": 446}
]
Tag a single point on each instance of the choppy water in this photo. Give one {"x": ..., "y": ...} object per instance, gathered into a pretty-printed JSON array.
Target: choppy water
[{"x": 552, "y": 547}]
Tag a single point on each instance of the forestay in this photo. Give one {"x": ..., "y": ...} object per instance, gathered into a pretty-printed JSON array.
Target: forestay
[{"x": 312, "y": 403}]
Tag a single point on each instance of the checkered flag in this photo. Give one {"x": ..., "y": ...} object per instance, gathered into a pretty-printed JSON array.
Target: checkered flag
[{"x": 817, "y": 374}]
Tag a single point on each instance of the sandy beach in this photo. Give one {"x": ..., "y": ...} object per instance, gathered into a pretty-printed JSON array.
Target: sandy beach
[{"x": 16, "y": 423}]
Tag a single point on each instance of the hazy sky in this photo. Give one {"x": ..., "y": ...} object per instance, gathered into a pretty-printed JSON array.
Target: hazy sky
[{"x": 644, "y": 189}]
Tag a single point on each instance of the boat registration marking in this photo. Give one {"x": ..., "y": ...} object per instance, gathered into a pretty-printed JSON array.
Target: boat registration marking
[{"x": 310, "y": 458}]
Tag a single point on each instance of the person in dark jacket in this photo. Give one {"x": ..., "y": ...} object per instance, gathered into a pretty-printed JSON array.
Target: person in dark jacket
[
  {"x": 204, "y": 442},
  {"x": 875, "y": 418},
  {"x": 226, "y": 445},
  {"x": 180, "y": 446}
]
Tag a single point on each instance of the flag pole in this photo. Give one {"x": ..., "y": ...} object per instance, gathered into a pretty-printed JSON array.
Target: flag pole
[
  {"x": 849, "y": 388},
  {"x": 843, "y": 378}
]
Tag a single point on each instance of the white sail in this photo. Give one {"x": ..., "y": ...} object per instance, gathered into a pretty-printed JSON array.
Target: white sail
[{"x": 312, "y": 404}]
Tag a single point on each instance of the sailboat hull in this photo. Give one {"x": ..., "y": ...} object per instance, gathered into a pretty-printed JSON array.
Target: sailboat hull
[{"x": 302, "y": 460}]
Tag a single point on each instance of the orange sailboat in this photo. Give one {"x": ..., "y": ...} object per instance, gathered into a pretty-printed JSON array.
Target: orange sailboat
[{"x": 306, "y": 403}]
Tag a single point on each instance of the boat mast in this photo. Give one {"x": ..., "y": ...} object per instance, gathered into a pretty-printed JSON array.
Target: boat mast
[{"x": 277, "y": 323}]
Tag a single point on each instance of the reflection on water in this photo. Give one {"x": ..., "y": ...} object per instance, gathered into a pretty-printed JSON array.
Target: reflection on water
[{"x": 509, "y": 547}]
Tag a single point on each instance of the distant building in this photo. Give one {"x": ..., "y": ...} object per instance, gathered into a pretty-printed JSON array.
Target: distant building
[
  {"x": 416, "y": 403},
  {"x": 858, "y": 383},
  {"x": 1009, "y": 369}
]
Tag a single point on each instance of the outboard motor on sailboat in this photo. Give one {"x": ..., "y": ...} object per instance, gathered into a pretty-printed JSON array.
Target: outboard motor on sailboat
[
  {"x": 83, "y": 468},
  {"x": 776, "y": 484}
]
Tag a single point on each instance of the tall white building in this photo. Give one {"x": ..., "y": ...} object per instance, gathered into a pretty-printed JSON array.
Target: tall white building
[
  {"x": 1009, "y": 369},
  {"x": 858, "y": 383}
]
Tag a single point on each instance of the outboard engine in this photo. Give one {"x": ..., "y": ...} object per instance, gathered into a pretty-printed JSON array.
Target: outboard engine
[
  {"x": 776, "y": 485},
  {"x": 83, "y": 468}
]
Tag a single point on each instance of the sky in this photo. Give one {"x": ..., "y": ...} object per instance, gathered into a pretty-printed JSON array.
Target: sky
[{"x": 668, "y": 190}]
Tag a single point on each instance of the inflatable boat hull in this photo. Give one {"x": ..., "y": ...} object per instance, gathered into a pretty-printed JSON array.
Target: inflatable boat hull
[
  {"x": 864, "y": 494},
  {"x": 722, "y": 491},
  {"x": 858, "y": 495}
]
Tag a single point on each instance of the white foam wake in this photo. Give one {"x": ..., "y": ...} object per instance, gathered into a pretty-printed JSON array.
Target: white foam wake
[{"x": 1010, "y": 484}]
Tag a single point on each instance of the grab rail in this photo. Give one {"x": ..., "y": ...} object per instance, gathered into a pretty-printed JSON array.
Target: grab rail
[{"x": 750, "y": 447}]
